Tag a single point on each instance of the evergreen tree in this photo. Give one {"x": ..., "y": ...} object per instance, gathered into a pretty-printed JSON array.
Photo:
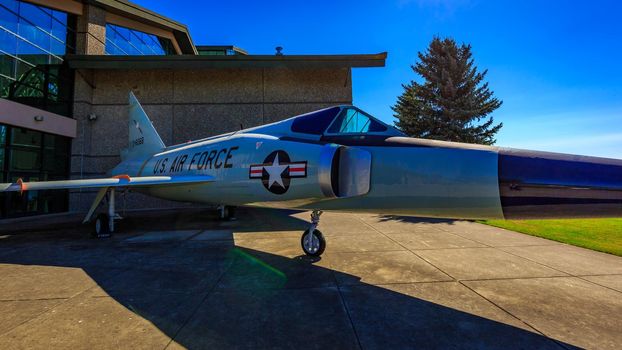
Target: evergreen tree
[{"x": 451, "y": 101}]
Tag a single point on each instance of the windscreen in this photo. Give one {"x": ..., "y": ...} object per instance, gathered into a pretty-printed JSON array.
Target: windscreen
[{"x": 353, "y": 121}]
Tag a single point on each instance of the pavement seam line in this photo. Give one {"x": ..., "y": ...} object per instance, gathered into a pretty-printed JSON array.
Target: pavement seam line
[
  {"x": 518, "y": 256},
  {"x": 42, "y": 314},
  {"x": 461, "y": 236},
  {"x": 507, "y": 312},
  {"x": 442, "y": 231},
  {"x": 345, "y": 306},
  {"x": 417, "y": 255},
  {"x": 552, "y": 242},
  {"x": 511, "y": 278},
  {"x": 453, "y": 281},
  {"x": 32, "y": 318},
  {"x": 598, "y": 284},
  {"x": 207, "y": 294},
  {"x": 34, "y": 299},
  {"x": 194, "y": 235},
  {"x": 512, "y": 315},
  {"x": 568, "y": 273}
]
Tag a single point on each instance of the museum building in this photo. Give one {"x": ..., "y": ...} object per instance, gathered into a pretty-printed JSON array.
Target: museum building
[{"x": 66, "y": 68}]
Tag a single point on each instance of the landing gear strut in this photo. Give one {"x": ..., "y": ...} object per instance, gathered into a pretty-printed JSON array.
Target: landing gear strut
[
  {"x": 226, "y": 212},
  {"x": 312, "y": 241},
  {"x": 104, "y": 223}
]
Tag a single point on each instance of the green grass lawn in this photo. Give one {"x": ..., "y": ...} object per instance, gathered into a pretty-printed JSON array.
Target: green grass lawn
[{"x": 604, "y": 235}]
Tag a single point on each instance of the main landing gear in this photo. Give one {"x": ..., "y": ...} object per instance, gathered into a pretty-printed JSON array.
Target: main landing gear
[
  {"x": 312, "y": 241},
  {"x": 226, "y": 212},
  {"x": 104, "y": 223}
]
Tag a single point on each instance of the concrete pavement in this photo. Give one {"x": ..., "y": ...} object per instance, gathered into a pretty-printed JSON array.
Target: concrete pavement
[{"x": 184, "y": 280}]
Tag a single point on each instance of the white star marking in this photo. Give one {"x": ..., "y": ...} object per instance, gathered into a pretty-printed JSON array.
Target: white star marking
[{"x": 275, "y": 170}]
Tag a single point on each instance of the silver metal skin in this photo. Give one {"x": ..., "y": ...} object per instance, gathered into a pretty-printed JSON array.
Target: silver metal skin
[
  {"x": 432, "y": 182},
  {"x": 354, "y": 172}
]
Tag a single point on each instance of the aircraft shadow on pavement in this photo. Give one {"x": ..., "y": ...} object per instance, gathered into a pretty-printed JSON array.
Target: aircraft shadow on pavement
[
  {"x": 415, "y": 219},
  {"x": 255, "y": 219},
  {"x": 213, "y": 294}
]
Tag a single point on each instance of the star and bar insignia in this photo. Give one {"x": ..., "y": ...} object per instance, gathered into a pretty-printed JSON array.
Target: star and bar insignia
[{"x": 277, "y": 171}]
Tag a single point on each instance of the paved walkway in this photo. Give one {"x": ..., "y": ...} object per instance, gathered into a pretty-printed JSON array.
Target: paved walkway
[{"x": 185, "y": 280}]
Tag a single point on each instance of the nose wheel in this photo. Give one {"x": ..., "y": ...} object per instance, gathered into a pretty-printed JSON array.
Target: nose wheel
[{"x": 312, "y": 241}]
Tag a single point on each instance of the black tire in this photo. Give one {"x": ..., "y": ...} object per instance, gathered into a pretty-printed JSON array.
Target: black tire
[
  {"x": 101, "y": 227},
  {"x": 318, "y": 246},
  {"x": 227, "y": 214},
  {"x": 231, "y": 213}
]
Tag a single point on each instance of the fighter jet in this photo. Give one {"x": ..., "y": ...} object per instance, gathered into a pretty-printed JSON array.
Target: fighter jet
[{"x": 343, "y": 159}]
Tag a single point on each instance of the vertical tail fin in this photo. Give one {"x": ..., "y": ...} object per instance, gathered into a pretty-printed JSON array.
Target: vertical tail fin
[{"x": 143, "y": 137}]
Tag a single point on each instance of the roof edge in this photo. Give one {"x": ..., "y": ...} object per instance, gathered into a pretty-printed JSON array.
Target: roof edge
[{"x": 234, "y": 61}]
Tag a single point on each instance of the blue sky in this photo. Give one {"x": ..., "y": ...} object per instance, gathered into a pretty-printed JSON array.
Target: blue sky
[{"x": 557, "y": 65}]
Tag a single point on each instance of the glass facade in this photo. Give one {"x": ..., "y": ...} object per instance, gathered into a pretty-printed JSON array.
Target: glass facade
[
  {"x": 33, "y": 41},
  {"x": 32, "y": 156},
  {"x": 125, "y": 41}
]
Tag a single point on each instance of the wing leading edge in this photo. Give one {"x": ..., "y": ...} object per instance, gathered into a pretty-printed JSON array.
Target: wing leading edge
[{"x": 115, "y": 181}]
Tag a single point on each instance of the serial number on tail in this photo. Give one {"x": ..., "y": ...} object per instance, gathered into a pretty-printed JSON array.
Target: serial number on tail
[{"x": 137, "y": 142}]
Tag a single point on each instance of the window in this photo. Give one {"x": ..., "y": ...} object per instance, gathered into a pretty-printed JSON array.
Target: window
[
  {"x": 315, "y": 122},
  {"x": 353, "y": 121},
  {"x": 214, "y": 50},
  {"x": 125, "y": 41},
  {"x": 32, "y": 156},
  {"x": 32, "y": 39},
  {"x": 3, "y": 133}
]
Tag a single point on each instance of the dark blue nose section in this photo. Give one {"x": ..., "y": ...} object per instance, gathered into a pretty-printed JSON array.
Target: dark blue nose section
[{"x": 541, "y": 185}]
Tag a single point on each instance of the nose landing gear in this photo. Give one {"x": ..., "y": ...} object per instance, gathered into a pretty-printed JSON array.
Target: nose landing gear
[{"x": 312, "y": 241}]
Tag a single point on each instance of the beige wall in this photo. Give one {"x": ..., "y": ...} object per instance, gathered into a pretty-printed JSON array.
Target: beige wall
[{"x": 187, "y": 105}]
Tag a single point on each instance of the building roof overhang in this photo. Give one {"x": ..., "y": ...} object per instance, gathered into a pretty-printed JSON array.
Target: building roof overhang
[{"x": 233, "y": 61}]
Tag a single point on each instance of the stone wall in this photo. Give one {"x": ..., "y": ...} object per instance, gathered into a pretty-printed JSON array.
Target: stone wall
[
  {"x": 188, "y": 105},
  {"x": 91, "y": 31}
]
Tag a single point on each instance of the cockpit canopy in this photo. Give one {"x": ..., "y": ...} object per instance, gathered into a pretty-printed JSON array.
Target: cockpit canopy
[
  {"x": 347, "y": 120},
  {"x": 331, "y": 123}
]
